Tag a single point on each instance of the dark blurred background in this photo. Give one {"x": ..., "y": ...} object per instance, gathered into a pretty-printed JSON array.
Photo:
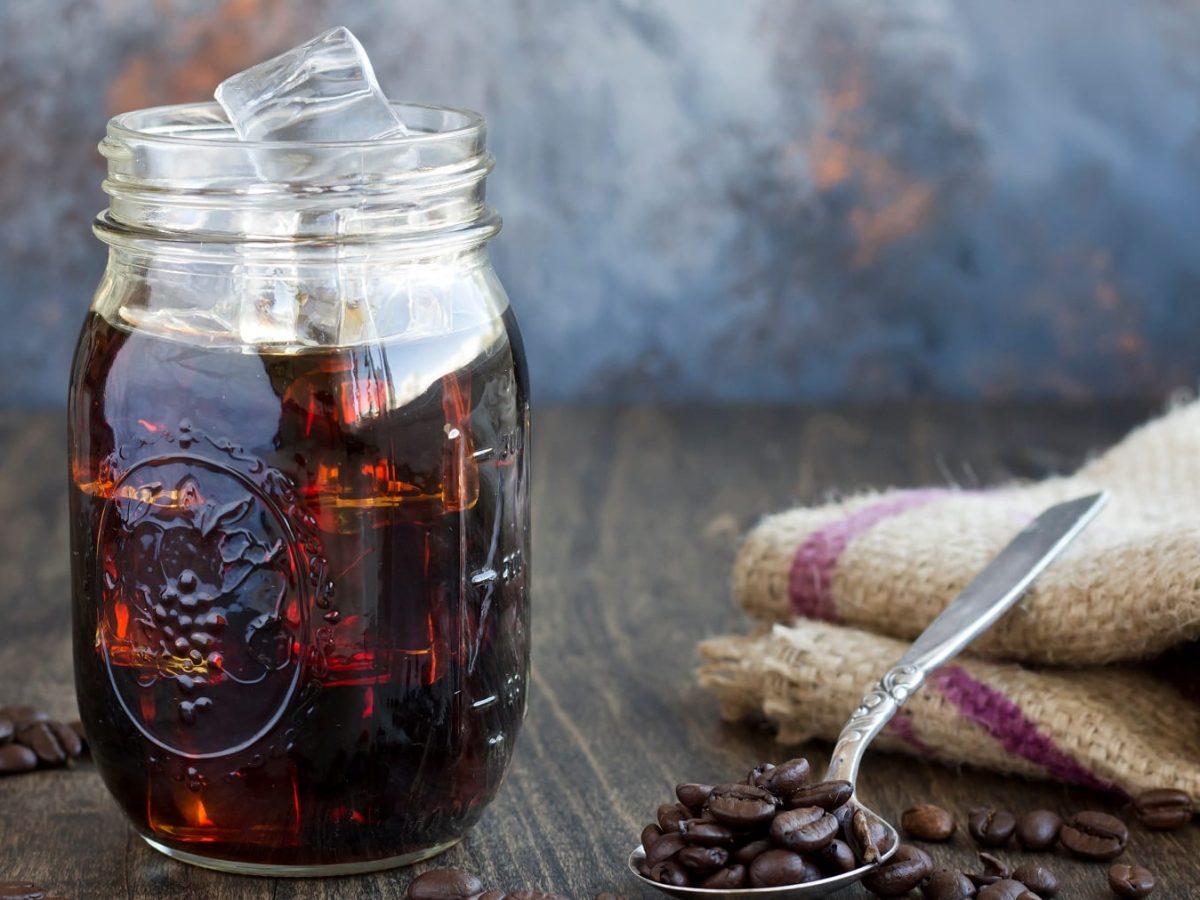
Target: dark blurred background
[{"x": 712, "y": 200}]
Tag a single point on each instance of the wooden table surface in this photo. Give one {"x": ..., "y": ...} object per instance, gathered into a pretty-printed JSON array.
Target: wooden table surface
[{"x": 637, "y": 515}]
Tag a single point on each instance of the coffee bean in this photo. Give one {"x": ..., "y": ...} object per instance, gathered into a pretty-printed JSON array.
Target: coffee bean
[
  {"x": 867, "y": 836},
  {"x": 994, "y": 869},
  {"x": 759, "y": 774},
  {"x": 779, "y": 867},
  {"x": 1130, "y": 881},
  {"x": 1094, "y": 835},
  {"x": 928, "y": 822},
  {"x": 991, "y": 827},
  {"x": 705, "y": 833},
  {"x": 702, "y": 859},
  {"x": 741, "y": 806},
  {"x": 6, "y": 729},
  {"x": 693, "y": 795},
  {"x": 16, "y": 758},
  {"x": 650, "y": 835},
  {"x": 77, "y": 727},
  {"x": 493, "y": 895},
  {"x": 21, "y": 890},
  {"x": 669, "y": 872},
  {"x": 835, "y": 858},
  {"x": 664, "y": 848},
  {"x": 1037, "y": 878},
  {"x": 1038, "y": 830},
  {"x": 1163, "y": 809},
  {"x": 39, "y": 738},
  {"x": 21, "y": 716},
  {"x": 805, "y": 829},
  {"x": 906, "y": 868},
  {"x": 751, "y": 851},
  {"x": 1006, "y": 889},
  {"x": 788, "y": 777},
  {"x": 534, "y": 895},
  {"x": 444, "y": 884},
  {"x": 947, "y": 884},
  {"x": 670, "y": 815},
  {"x": 728, "y": 879},
  {"x": 828, "y": 795},
  {"x": 67, "y": 739}
]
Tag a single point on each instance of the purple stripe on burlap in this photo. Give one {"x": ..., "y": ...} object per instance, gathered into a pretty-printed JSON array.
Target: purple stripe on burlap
[
  {"x": 1017, "y": 733},
  {"x": 810, "y": 582},
  {"x": 902, "y": 726}
]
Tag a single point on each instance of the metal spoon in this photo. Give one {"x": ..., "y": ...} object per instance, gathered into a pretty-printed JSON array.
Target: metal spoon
[{"x": 971, "y": 613}]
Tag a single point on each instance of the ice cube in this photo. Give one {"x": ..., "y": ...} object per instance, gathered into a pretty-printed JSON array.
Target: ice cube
[{"x": 323, "y": 90}]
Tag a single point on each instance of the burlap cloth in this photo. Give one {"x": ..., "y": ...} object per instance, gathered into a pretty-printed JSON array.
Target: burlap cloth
[{"x": 1092, "y": 679}]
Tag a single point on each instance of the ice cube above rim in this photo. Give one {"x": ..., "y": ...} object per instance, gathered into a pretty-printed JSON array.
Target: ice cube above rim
[{"x": 324, "y": 90}]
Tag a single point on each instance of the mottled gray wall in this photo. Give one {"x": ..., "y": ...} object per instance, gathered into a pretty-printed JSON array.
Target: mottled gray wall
[{"x": 781, "y": 199}]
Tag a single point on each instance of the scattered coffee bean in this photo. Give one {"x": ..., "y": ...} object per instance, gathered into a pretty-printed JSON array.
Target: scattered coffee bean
[
  {"x": 664, "y": 848},
  {"x": 1038, "y": 830},
  {"x": 788, "y": 777},
  {"x": 1037, "y": 878},
  {"x": 21, "y": 716},
  {"x": 705, "y": 833},
  {"x": 728, "y": 879},
  {"x": 904, "y": 870},
  {"x": 1094, "y": 835},
  {"x": 1163, "y": 809},
  {"x": 703, "y": 860},
  {"x": 828, "y": 795},
  {"x": 650, "y": 835},
  {"x": 16, "y": 758},
  {"x": 39, "y": 738},
  {"x": 867, "y": 836},
  {"x": 759, "y": 774},
  {"x": 1006, "y": 889},
  {"x": 991, "y": 827},
  {"x": 6, "y": 729},
  {"x": 751, "y": 851},
  {"x": 741, "y": 806},
  {"x": 77, "y": 727},
  {"x": 693, "y": 795},
  {"x": 994, "y": 869},
  {"x": 776, "y": 868},
  {"x": 947, "y": 884},
  {"x": 670, "y": 815},
  {"x": 494, "y": 895},
  {"x": 68, "y": 739},
  {"x": 804, "y": 830},
  {"x": 444, "y": 884},
  {"x": 21, "y": 890},
  {"x": 1130, "y": 881},
  {"x": 928, "y": 822},
  {"x": 835, "y": 858},
  {"x": 669, "y": 872}
]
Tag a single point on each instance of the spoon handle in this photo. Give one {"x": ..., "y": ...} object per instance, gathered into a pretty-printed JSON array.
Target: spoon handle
[{"x": 982, "y": 602}]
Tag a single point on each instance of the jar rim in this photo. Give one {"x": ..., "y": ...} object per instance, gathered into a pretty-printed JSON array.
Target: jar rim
[{"x": 205, "y": 124}]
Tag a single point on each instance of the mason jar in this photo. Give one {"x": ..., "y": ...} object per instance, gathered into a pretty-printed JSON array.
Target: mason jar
[{"x": 299, "y": 494}]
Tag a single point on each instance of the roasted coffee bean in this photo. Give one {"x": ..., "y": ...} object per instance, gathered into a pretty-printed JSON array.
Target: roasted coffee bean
[
  {"x": 741, "y": 806},
  {"x": 805, "y": 829},
  {"x": 867, "y": 836},
  {"x": 1163, "y": 809},
  {"x": 444, "y": 884},
  {"x": 906, "y": 868},
  {"x": 947, "y": 884},
  {"x": 664, "y": 848},
  {"x": 751, "y": 851},
  {"x": 492, "y": 895},
  {"x": 6, "y": 729},
  {"x": 21, "y": 890},
  {"x": 1037, "y": 878},
  {"x": 67, "y": 739},
  {"x": 650, "y": 835},
  {"x": 1006, "y": 889},
  {"x": 759, "y": 774},
  {"x": 16, "y": 758},
  {"x": 1130, "y": 881},
  {"x": 779, "y": 867},
  {"x": 704, "y": 833},
  {"x": 994, "y": 869},
  {"x": 788, "y": 777},
  {"x": 693, "y": 795},
  {"x": 928, "y": 822},
  {"x": 835, "y": 858},
  {"x": 728, "y": 879},
  {"x": 991, "y": 827},
  {"x": 702, "y": 859},
  {"x": 1094, "y": 835},
  {"x": 669, "y": 816},
  {"x": 21, "y": 716},
  {"x": 1038, "y": 830},
  {"x": 77, "y": 727},
  {"x": 40, "y": 738},
  {"x": 828, "y": 795},
  {"x": 669, "y": 872}
]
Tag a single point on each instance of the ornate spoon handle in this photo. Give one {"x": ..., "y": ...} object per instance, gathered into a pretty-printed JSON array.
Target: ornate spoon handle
[{"x": 982, "y": 602}]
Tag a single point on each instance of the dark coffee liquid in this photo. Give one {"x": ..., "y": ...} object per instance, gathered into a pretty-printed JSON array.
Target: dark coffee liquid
[{"x": 300, "y": 608}]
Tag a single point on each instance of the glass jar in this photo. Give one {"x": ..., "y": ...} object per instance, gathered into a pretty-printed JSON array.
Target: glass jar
[{"x": 299, "y": 494}]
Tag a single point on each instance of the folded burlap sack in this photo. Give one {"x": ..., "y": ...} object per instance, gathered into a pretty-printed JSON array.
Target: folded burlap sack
[{"x": 851, "y": 577}]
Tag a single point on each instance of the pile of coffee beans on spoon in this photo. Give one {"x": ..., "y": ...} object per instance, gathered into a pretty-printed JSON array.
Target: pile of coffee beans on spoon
[{"x": 30, "y": 738}]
